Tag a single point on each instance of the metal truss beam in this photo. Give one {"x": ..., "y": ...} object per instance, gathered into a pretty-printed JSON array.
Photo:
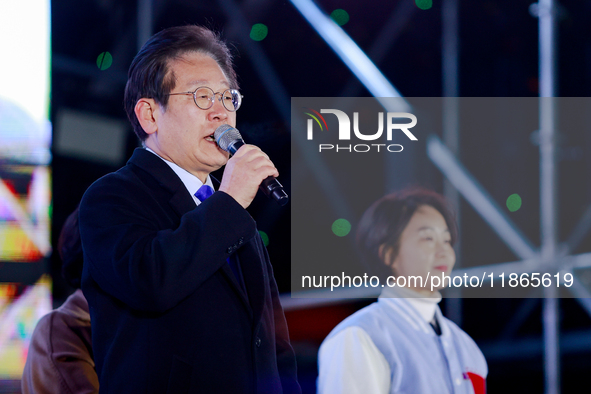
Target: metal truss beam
[
  {"x": 281, "y": 100},
  {"x": 530, "y": 347},
  {"x": 145, "y": 21},
  {"x": 353, "y": 57},
  {"x": 578, "y": 233},
  {"x": 395, "y": 25},
  {"x": 240, "y": 29},
  {"x": 480, "y": 200},
  {"x": 450, "y": 75}
]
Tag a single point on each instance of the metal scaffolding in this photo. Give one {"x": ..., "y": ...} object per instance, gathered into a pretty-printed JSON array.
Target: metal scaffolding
[{"x": 548, "y": 257}]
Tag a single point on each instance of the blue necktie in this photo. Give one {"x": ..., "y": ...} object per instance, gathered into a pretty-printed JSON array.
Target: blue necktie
[{"x": 202, "y": 194}]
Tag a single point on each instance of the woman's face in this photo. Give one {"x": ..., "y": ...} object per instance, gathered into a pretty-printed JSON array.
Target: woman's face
[{"x": 425, "y": 248}]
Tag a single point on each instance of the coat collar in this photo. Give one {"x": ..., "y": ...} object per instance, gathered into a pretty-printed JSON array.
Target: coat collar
[{"x": 181, "y": 201}]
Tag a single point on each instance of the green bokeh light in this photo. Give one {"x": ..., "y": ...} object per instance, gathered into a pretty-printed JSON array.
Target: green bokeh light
[
  {"x": 104, "y": 61},
  {"x": 424, "y": 4},
  {"x": 513, "y": 202},
  {"x": 340, "y": 16},
  {"x": 341, "y": 227},
  {"x": 259, "y": 32},
  {"x": 265, "y": 237}
]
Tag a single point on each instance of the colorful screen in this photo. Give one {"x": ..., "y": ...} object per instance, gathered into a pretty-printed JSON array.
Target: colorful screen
[{"x": 25, "y": 177}]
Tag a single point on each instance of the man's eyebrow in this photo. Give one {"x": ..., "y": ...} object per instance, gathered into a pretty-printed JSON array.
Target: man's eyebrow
[{"x": 199, "y": 83}]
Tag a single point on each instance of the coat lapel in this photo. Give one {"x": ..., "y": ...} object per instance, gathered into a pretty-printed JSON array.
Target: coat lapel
[{"x": 181, "y": 202}]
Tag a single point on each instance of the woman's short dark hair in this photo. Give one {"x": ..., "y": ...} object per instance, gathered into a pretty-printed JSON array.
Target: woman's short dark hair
[
  {"x": 385, "y": 220},
  {"x": 150, "y": 76}
]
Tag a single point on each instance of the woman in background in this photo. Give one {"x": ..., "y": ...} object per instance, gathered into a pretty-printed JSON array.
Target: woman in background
[
  {"x": 60, "y": 358},
  {"x": 402, "y": 343}
]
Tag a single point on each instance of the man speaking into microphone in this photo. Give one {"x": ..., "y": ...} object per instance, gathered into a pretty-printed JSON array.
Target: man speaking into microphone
[{"x": 181, "y": 291}]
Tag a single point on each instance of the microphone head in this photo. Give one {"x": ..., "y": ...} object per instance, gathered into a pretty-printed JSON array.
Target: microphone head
[{"x": 225, "y": 135}]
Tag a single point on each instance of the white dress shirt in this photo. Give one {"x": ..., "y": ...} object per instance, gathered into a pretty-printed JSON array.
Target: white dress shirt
[{"x": 191, "y": 182}]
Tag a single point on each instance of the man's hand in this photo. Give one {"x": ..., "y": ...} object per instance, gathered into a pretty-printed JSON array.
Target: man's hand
[{"x": 244, "y": 173}]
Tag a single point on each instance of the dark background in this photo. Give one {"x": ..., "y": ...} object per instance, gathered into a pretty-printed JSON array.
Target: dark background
[{"x": 498, "y": 57}]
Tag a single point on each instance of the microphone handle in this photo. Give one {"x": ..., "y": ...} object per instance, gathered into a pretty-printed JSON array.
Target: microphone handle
[
  {"x": 270, "y": 186},
  {"x": 235, "y": 145}
]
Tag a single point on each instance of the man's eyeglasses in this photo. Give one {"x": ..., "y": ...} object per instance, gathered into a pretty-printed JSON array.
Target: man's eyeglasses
[{"x": 204, "y": 98}]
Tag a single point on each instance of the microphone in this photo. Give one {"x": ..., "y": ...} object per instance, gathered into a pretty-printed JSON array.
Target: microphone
[{"x": 229, "y": 139}]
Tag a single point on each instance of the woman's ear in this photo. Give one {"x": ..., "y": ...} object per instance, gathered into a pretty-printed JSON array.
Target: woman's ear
[{"x": 386, "y": 253}]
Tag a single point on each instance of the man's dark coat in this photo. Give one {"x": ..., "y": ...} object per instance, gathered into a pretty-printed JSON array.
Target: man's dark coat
[{"x": 167, "y": 313}]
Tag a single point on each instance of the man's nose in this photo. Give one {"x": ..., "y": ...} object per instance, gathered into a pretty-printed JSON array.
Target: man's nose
[{"x": 217, "y": 111}]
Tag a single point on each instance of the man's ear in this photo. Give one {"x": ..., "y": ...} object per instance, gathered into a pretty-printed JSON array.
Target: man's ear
[
  {"x": 145, "y": 111},
  {"x": 387, "y": 254}
]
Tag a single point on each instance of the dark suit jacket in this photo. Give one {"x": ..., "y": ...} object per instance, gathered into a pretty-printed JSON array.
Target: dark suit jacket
[{"x": 168, "y": 315}]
